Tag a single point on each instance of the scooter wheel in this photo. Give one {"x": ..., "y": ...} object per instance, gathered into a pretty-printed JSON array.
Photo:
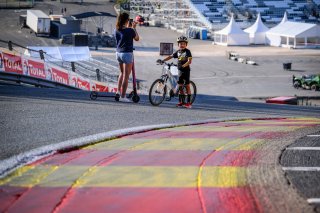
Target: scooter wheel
[
  {"x": 135, "y": 98},
  {"x": 117, "y": 97},
  {"x": 93, "y": 95}
]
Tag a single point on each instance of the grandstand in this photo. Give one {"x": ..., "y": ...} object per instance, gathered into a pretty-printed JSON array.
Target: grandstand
[
  {"x": 215, "y": 14},
  {"x": 173, "y": 14},
  {"x": 218, "y": 11}
]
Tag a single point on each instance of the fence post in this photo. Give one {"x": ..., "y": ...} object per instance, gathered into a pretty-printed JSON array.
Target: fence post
[
  {"x": 10, "y": 45},
  {"x": 73, "y": 67},
  {"x": 41, "y": 54},
  {"x": 98, "y": 75}
]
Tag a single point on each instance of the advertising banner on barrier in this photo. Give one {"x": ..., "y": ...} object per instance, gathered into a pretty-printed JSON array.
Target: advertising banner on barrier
[
  {"x": 102, "y": 87},
  {"x": 1, "y": 62},
  {"x": 83, "y": 83},
  {"x": 33, "y": 68},
  {"x": 73, "y": 79},
  {"x": 57, "y": 74},
  {"x": 76, "y": 80},
  {"x": 12, "y": 63},
  {"x": 113, "y": 89},
  {"x": 37, "y": 68},
  {"x": 99, "y": 86}
]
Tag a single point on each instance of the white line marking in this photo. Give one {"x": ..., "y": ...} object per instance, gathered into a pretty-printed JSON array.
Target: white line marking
[
  {"x": 314, "y": 200},
  {"x": 304, "y": 148},
  {"x": 243, "y": 76},
  {"x": 313, "y": 135},
  {"x": 301, "y": 169}
]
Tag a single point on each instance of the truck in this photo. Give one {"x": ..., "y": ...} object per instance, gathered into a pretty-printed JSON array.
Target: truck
[{"x": 38, "y": 21}]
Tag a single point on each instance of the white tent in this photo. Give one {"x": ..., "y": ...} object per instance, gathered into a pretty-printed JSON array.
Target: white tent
[
  {"x": 231, "y": 35},
  {"x": 294, "y": 34},
  {"x": 285, "y": 18},
  {"x": 257, "y": 32},
  {"x": 70, "y": 54}
]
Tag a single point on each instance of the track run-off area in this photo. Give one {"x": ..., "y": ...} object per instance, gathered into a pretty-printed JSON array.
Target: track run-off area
[{"x": 223, "y": 166}]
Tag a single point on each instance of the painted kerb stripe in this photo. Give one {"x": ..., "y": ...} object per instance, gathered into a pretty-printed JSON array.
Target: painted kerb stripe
[
  {"x": 314, "y": 200},
  {"x": 304, "y": 148},
  {"x": 301, "y": 169}
]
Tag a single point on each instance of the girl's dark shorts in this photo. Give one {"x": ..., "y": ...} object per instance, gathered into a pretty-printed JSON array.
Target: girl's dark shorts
[{"x": 184, "y": 77}]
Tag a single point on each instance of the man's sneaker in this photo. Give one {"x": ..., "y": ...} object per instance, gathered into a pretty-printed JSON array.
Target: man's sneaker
[
  {"x": 126, "y": 100},
  {"x": 188, "y": 105},
  {"x": 180, "y": 104}
]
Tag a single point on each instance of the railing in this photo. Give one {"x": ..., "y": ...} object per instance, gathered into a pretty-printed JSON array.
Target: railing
[
  {"x": 14, "y": 66},
  {"x": 201, "y": 17}
]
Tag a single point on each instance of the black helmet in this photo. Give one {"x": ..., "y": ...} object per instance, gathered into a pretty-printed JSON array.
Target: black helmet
[{"x": 182, "y": 39}]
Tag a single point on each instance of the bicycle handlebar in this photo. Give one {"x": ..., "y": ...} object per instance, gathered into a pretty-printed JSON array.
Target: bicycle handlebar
[{"x": 160, "y": 62}]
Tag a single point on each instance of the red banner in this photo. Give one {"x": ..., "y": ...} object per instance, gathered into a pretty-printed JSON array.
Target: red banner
[
  {"x": 101, "y": 88},
  {"x": 83, "y": 84},
  {"x": 1, "y": 62},
  {"x": 59, "y": 76},
  {"x": 12, "y": 63},
  {"x": 34, "y": 68},
  {"x": 113, "y": 89},
  {"x": 73, "y": 79}
]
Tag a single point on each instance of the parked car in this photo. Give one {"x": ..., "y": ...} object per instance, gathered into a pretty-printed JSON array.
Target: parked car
[{"x": 306, "y": 82}]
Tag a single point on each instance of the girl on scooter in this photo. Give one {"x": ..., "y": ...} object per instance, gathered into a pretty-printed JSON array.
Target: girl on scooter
[{"x": 125, "y": 34}]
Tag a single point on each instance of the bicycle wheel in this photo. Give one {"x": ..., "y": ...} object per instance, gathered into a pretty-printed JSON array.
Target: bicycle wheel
[
  {"x": 157, "y": 92},
  {"x": 193, "y": 91}
]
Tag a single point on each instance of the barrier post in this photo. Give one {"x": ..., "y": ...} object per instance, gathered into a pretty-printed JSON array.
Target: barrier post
[
  {"x": 41, "y": 54},
  {"x": 73, "y": 67},
  {"x": 10, "y": 45},
  {"x": 98, "y": 75}
]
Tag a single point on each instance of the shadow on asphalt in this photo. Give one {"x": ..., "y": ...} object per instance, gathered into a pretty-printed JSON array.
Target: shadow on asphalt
[{"x": 203, "y": 102}]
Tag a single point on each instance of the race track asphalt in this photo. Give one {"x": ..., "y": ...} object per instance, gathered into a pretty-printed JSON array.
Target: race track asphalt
[{"x": 34, "y": 117}]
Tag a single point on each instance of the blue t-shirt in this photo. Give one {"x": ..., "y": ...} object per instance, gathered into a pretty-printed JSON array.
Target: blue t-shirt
[{"x": 124, "y": 40}]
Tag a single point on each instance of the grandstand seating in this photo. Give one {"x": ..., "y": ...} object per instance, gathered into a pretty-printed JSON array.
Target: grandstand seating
[{"x": 219, "y": 11}]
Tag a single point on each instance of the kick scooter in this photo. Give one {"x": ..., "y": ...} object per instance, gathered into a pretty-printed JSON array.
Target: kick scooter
[
  {"x": 94, "y": 95},
  {"x": 133, "y": 95}
]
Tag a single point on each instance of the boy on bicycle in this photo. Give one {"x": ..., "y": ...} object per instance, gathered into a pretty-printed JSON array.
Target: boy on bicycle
[{"x": 184, "y": 60}]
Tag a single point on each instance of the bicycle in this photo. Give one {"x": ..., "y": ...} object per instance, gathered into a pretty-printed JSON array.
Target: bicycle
[{"x": 166, "y": 87}]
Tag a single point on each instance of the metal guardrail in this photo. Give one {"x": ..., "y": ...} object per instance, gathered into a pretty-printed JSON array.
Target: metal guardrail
[
  {"x": 85, "y": 68},
  {"x": 52, "y": 74}
]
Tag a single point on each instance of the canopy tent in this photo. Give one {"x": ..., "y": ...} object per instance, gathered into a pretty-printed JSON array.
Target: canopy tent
[
  {"x": 294, "y": 34},
  {"x": 285, "y": 18},
  {"x": 70, "y": 54},
  {"x": 231, "y": 35},
  {"x": 257, "y": 32}
]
